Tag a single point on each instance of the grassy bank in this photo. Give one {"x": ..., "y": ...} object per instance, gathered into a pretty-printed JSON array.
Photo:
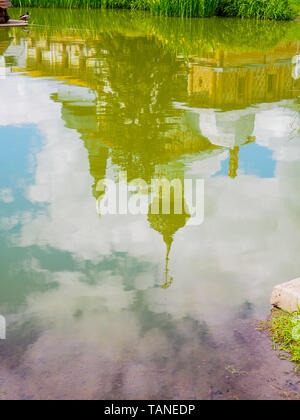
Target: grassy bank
[
  {"x": 258, "y": 9},
  {"x": 284, "y": 330}
]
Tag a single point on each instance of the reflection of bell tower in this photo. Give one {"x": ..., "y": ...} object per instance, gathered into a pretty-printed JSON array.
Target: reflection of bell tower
[
  {"x": 234, "y": 162},
  {"x": 234, "y": 157},
  {"x": 167, "y": 225}
]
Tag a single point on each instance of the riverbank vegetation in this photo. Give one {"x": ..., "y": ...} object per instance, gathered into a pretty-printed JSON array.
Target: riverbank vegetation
[
  {"x": 258, "y": 9},
  {"x": 176, "y": 35},
  {"x": 284, "y": 330}
]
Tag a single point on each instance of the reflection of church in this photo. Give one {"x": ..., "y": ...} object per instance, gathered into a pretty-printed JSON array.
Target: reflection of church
[
  {"x": 237, "y": 80},
  {"x": 139, "y": 116},
  {"x": 223, "y": 86},
  {"x": 167, "y": 225}
]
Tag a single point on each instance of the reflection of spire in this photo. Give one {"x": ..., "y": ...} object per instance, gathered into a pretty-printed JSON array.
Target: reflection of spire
[
  {"x": 168, "y": 280},
  {"x": 234, "y": 162},
  {"x": 167, "y": 225}
]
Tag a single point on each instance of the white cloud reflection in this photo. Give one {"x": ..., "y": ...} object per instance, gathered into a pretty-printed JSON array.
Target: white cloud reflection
[
  {"x": 6, "y": 195},
  {"x": 248, "y": 243},
  {"x": 247, "y": 221}
]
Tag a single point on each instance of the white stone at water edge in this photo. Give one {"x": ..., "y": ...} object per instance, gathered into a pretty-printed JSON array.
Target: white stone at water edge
[{"x": 286, "y": 296}]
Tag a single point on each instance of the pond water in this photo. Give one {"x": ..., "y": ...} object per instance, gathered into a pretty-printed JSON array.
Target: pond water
[{"x": 129, "y": 306}]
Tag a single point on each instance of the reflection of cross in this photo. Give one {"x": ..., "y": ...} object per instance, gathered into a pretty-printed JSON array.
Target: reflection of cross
[
  {"x": 167, "y": 284},
  {"x": 168, "y": 280}
]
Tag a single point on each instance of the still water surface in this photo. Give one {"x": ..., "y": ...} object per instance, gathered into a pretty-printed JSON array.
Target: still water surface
[{"x": 88, "y": 95}]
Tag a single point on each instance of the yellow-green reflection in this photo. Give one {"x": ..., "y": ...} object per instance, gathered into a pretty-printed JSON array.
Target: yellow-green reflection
[
  {"x": 166, "y": 92},
  {"x": 135, "y": 93}
]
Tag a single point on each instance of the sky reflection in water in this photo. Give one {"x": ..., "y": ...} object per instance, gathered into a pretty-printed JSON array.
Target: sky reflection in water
[{"x": 82, "y": 294}]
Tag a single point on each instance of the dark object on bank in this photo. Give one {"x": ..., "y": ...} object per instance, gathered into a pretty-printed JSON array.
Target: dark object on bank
[
  {"x": 25, "y": 17},
  {"x": 4, "y": 5}
]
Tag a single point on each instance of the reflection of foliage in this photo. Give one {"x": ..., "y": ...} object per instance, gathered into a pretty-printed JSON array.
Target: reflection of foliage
[
  {"x": 201, "y": 36},
  {"x": 4, "y": 40},
  {"x": 134, "y": 79},
  {"x": 141, "y": 80},
  {"x": 132, "y": 115}
]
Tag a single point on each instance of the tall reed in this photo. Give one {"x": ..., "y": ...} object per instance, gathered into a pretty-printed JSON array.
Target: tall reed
[{"x": 187, "y": 8}]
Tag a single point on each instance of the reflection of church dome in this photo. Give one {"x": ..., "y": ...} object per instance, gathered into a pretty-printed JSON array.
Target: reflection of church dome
[
  {"x": 167, "y": 225},
  {"x": 238, "y": 127},
  {"x": 225, "y": 129},
  {"x": 230, "y": 129}
]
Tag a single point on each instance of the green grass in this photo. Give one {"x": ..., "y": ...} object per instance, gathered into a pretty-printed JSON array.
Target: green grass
[
  {"x": 285, "y": 333},
  {"x": 258, "y": 9}
]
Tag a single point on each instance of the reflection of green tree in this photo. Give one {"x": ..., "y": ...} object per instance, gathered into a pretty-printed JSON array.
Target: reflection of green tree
[
  {"x": 136, "y": 120},
  {"x": 184, "y": 36},
  {"x": 133, "y": 115}
]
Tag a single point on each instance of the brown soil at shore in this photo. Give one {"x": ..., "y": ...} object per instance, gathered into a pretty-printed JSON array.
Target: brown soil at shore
[{"x": 51, "y": 367}]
